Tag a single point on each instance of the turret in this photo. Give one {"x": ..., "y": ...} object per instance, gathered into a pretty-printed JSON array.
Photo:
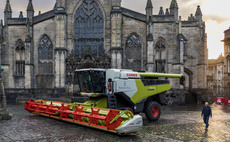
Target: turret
[
  {"x": 30, "y": 11},
  {"x": 149, "y": 10},
  {"x": 174, "y": 9},
  {"x": 198, "y": 15},
  {"x": 7, "y": 12},
  {"x": 161, "y": 12},
  {"x": 149, "y": 20},
  {"x": 21, "y": 14},
  {"x": 167, "y": 11}
]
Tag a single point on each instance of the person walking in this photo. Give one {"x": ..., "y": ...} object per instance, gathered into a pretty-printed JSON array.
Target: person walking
[{"x": 206, "y": 112}]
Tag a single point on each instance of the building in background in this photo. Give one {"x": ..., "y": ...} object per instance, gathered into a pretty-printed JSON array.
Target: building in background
[
  {"x": 218, "y": 77},
  {"x": 40, "y": 52},
  {"x": 215, "y": 76},
  {"x": 226, "y": 63}
]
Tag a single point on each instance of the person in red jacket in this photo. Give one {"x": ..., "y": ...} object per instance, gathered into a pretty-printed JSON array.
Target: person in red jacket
[{"x": 206, "y": 112}]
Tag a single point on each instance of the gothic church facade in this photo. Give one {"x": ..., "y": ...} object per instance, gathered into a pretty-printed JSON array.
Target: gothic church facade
[{"x": 42, "y": 51}]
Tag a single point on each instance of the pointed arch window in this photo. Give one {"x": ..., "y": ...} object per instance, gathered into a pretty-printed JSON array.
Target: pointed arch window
[
  {"x": 20, "y": 58},
  {"x": 45, "y": 56},
  {"x": 89, "y": 29},
  {"x": 160, "y": 57},
  {"x": 133, "y": 52}
]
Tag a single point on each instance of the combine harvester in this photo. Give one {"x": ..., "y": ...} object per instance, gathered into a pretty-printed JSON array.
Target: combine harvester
[{"x": 116, "y": 99}]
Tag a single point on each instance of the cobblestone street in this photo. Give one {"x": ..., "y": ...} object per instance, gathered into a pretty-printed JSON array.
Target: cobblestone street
[{"x": 177, "y": 123}]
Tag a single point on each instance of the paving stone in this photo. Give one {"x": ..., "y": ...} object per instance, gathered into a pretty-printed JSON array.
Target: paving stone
[{"x": 177, "y": 123}]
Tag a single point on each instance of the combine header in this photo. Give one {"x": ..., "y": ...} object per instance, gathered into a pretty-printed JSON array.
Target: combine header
[{"x": 116, "y": 99}]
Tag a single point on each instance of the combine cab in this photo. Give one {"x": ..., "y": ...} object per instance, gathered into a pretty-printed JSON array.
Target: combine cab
[{"x": 116, "y": 99}]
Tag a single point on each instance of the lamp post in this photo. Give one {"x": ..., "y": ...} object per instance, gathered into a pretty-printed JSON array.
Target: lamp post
[{"x": 4, "y": 115}]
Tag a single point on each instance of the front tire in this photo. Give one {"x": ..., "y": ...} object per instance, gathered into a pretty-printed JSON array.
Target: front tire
[{"x": 153, "y": 111}]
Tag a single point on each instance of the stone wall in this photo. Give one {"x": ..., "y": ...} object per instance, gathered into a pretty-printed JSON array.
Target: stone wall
[
  {"x": 130, "y": 27},
  {"x": 119, "y": 24},
  {"x": 196, "y": 60},
  {"x": 39, "y": 30},
  {"x": 13, "y": 33}
]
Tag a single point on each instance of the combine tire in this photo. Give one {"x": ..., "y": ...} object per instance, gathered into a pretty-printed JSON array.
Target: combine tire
[{"x": 153, "y": 111}]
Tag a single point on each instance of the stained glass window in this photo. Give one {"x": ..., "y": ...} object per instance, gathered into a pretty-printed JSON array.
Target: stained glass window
[
  {"x": 133, "y": 53},
  {"x": 45, "y": 56},
  {"x": 89, "y": 29},
  {"x": 20, "y": 58},
  {"x": 160, "y": 57}
]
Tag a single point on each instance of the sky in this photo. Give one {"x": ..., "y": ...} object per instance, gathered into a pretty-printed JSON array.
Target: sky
[{"x": 216, "y": 14}]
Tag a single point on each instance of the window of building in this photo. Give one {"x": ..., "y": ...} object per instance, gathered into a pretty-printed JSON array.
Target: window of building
[
  {"x": 185, "y": 48},
  {"x": 160, "y": 57},
  {"x": 89, "y": 29},
  {"x": 45, "y": 56},
  {"x": 133, "y": 52},
  {"x": 228, "y": 46},
  {"x": 20, "y": 58}
]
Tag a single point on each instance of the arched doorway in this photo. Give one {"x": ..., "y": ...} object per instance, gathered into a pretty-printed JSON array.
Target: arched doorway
[{"x": 189, "y": 80}]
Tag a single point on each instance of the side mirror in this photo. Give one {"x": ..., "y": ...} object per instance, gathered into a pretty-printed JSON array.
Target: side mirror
[{"x": 182, "y": 80}]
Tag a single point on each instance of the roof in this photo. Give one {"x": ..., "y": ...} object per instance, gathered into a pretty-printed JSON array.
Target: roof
[
  {"x": 44, "y": 16},
  {"x": 133, "y": 14},
  {"x": 220, "y": 59}
]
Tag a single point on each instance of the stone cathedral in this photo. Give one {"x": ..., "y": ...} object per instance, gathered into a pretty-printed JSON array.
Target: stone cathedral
[{"x": 41, "y": 51}]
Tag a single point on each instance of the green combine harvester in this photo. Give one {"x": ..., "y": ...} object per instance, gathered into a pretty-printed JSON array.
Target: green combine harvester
[{"x": 116, "y": 97}]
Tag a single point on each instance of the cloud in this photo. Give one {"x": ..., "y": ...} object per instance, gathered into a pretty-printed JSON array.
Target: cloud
[{"x": 217, "y": 18}]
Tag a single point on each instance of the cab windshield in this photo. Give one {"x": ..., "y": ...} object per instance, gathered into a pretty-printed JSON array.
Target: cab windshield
[{"x": 91, "y": 81}]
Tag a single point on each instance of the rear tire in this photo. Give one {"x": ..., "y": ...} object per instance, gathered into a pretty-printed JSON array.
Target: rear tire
[{"x": 153, "y": 111}]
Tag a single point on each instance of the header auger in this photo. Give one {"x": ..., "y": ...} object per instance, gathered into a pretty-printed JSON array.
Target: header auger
[{"x": 116, "y": 99}]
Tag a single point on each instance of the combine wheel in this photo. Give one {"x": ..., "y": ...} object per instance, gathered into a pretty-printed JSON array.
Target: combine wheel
[{"x": 152, "y": 111}]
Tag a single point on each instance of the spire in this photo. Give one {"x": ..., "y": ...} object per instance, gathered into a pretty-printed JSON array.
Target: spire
[
  {"x": 21, "y": 14},
  {"x": 198, "y": 11},
  {"x": 149, "y": 11},
  {"x": 167, "y": 11},
  {"x": 191, "y": 17},
  {"x": 8, "y": 6},
  {"x": 30, "y": 6},
  {"x": 55, "y": 6},
  {"x": 174, "y": 9},
  {"x": 161, "y": 12},
  {"x": 149, "y": 4},
  {"x": 174, "y": 4}
]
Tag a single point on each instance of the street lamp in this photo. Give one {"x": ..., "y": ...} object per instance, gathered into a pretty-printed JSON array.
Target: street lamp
[{"x": 4, "y": 115}]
